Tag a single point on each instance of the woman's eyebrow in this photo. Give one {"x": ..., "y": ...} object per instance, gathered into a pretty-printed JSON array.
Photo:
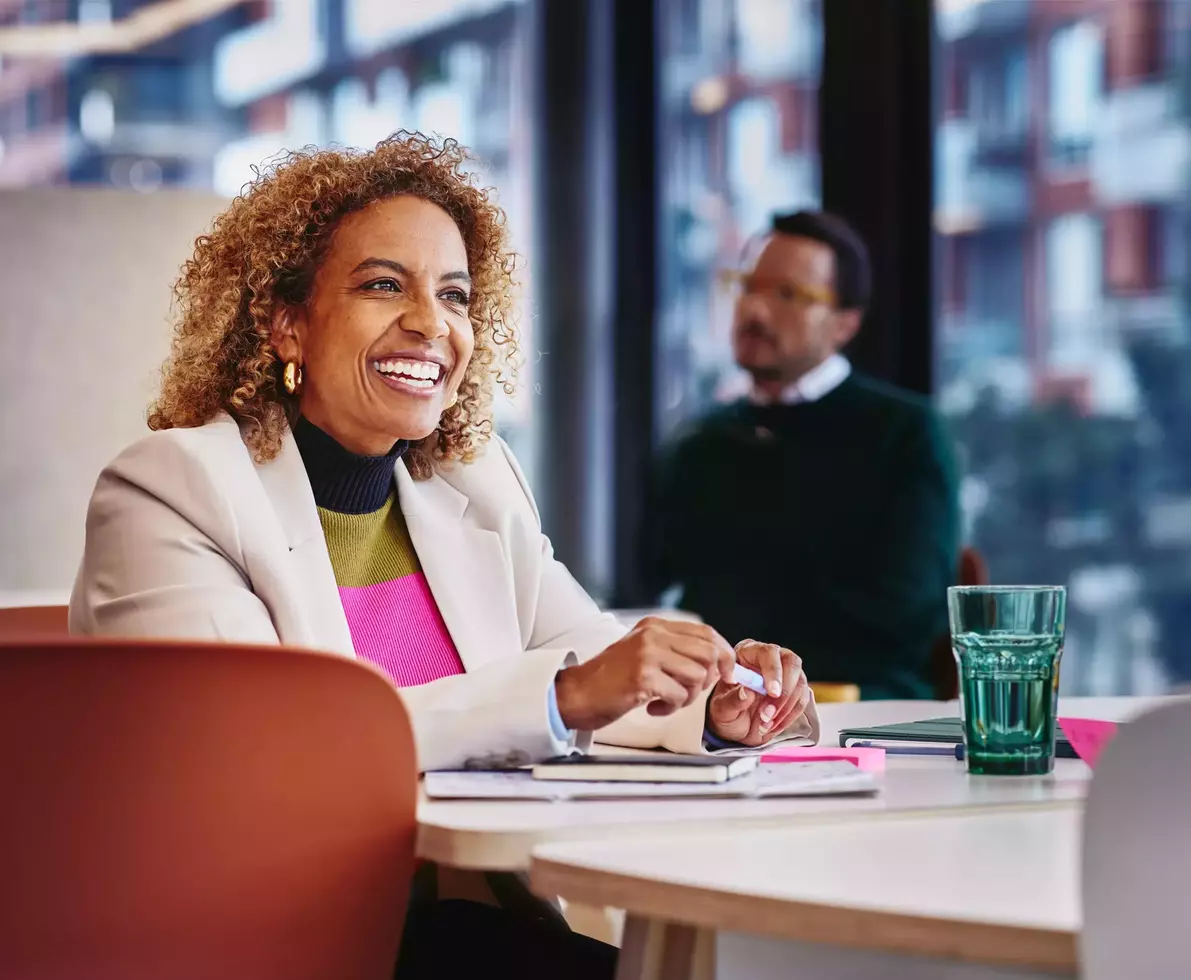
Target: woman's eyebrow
[
  {"x": 376, "y": 263},
  {"x": 459, "y": 275}
]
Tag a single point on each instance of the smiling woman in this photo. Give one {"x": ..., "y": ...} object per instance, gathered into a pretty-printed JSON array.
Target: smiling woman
[
  {"x": 305, "y": 245},
  {"x": 317, "y": 480},
  {"x": 341, "y": 330},
  {"x": 383, "y": 340}
]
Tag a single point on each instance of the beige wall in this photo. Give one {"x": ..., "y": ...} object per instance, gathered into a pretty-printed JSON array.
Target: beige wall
[{"x": 85, "y": 289}]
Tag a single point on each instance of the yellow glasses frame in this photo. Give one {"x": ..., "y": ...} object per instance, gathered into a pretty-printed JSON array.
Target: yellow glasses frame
[{"x": 785, "y": 291}]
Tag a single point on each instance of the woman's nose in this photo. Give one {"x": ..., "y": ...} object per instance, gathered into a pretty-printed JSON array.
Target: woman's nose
[{"x": 423, "y": 318}]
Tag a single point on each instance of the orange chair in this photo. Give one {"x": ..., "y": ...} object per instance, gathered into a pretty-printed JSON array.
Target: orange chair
[
  {"x": 196, "y": 811},
  {"x": 25, "y": 621},
  {"x": 973, "y": 570}
]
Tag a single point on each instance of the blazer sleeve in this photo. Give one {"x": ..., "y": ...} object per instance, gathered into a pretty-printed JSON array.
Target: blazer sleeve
[
  {"x": 567, "y": 621},
  {"x": 150, "y": 569}
]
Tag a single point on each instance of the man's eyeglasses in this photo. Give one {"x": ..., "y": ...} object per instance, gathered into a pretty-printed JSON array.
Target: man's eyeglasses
[{"x": 784, "y": 291}]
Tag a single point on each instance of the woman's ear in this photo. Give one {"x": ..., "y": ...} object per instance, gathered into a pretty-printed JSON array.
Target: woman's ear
[{"x": 286, "y": 332}]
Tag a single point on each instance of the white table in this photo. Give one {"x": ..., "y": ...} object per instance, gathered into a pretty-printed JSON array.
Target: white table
[
  {"x": 33, "y": 597},
  {"x": 962, "y": 896},
  {"x": 500, "y": 836}
]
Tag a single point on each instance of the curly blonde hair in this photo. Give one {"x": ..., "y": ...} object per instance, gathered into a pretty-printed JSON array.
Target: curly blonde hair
[{"x": 263, "y": 252}]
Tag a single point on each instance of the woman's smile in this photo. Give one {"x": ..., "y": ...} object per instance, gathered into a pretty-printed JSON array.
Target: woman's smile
[{"x": 416, "y": 376}]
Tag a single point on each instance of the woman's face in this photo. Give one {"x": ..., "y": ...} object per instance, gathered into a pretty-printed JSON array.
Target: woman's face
[{"x": 384, "y": 340}]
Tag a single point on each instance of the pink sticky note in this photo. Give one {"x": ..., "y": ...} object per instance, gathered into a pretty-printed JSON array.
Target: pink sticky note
[
  {"x": 1088, "y": 737},
  {"x": 867, "y": 759}
]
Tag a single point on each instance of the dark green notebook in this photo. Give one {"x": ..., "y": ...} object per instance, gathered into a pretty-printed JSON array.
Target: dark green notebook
[{"x": 931, "y": 730}]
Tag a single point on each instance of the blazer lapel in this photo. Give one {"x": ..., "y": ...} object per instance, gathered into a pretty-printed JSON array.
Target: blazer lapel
[
  {"x": 465, "y": 569},
  {"x": 308, "y": 575}
]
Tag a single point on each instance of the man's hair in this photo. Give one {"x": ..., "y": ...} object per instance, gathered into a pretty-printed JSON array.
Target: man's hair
[{"x": 853, "y": 273}]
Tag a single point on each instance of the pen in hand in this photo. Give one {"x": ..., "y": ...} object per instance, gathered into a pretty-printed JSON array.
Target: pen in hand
[{"x": 749, "y": 679}]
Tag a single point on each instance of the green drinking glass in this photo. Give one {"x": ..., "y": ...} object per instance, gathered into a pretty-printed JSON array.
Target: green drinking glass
[{"x": 1007, "y": 641}]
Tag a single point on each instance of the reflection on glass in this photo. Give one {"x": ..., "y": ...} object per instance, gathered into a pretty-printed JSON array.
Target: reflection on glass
[
  {"x": 1063, "y": 346},
  {"x": 739, "y": 141},
  {"x": 204, "y": 102}
]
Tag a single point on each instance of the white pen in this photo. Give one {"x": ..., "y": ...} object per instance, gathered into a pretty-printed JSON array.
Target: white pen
[{"x": 750, "y": 679}]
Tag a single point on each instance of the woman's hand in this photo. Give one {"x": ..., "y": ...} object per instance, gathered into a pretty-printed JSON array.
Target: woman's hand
[
  {"x": 736, "y": 714},
  {"x": 663, "y": 663}
]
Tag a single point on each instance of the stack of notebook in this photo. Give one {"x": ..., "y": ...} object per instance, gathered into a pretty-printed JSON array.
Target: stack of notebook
[{"x": 613, "y": 777}]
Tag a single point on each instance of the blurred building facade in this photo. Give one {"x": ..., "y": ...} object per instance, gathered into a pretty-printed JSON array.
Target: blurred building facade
[
  {"x": 738, "y": 140},
  {"x": 144, "y": 94},
  {"x": 1063, "y": 354}
]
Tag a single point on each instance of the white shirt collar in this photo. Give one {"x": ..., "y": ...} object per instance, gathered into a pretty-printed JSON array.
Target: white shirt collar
[{"x": 813, "y": 385}]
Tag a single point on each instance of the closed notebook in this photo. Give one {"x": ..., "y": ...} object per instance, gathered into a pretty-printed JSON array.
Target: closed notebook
[
  {"x": 932, "y": 730},
  {"x": 655, "y": 768}
]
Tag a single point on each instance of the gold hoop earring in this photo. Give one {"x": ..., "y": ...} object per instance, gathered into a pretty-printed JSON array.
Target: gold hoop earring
[{"x": 292, "y": 379}]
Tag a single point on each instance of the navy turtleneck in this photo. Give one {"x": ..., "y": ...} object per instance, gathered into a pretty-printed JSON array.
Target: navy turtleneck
[{"x": 344, "y": 481}]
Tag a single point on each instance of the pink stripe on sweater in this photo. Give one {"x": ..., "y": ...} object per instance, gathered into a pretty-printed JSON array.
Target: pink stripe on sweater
[{"x": 396, "y": 625}]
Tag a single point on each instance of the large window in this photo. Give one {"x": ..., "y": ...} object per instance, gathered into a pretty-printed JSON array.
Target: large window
[
  {"x": 1063, "y": 341},
  {"x": 200, "y": 102},
  {"x": 738, "y": 141}
]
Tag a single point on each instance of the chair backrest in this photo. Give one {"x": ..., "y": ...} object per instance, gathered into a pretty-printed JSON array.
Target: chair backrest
[
  {"x": 973, "y": 570},
  {"x": 26, "y": 621},
  {"x": 193, "y": 811},
  {"x": 1137, "y": 852},
  {"x": 828, "y": 693}
]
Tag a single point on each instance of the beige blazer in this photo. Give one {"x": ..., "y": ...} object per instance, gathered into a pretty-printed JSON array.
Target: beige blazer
[{"x": 188, "y": 537}]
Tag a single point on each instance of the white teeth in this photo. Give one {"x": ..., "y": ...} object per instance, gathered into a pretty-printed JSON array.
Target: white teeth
[{"x": 421, "y": 371}]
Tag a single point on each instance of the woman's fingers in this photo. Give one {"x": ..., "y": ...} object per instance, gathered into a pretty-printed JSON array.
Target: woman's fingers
[
  {"x": 769, "y": 717},
  {"x": 684, "y": 658},
  {"x": 687, "y": 671},
  {"x": 791, "y": 670},
  {"x": 794, "y": 706},
  {"x": 666, "y": 694},
  {"x": 766, "y": 659},
  {"x": 705, "y": 653},
  {"x": 729, "y": 706},
  {"x": 698, "y": 639}
]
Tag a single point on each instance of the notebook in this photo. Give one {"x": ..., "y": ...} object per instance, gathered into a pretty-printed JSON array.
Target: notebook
[
  {"x": 653, "y": 768},
  {"x": 931, "y": 730},
  {"x": 781, "y": 779}
]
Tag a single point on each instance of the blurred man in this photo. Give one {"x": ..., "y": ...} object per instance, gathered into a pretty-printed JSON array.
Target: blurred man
[{"x": 821, "y": 511}]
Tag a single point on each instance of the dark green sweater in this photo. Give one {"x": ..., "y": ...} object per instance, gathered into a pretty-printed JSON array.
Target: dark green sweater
[{"x": 830, "y": 527}]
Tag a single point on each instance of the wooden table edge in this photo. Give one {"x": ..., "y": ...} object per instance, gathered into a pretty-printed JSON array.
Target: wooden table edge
[
  {"x": 476, "y": 850},
  {"x": 704, "y": 908}
]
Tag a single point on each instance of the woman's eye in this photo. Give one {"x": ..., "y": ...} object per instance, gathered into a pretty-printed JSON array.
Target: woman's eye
[
  {"x": 456, "y": 296},
  {"x": 382, "y": 285}
]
